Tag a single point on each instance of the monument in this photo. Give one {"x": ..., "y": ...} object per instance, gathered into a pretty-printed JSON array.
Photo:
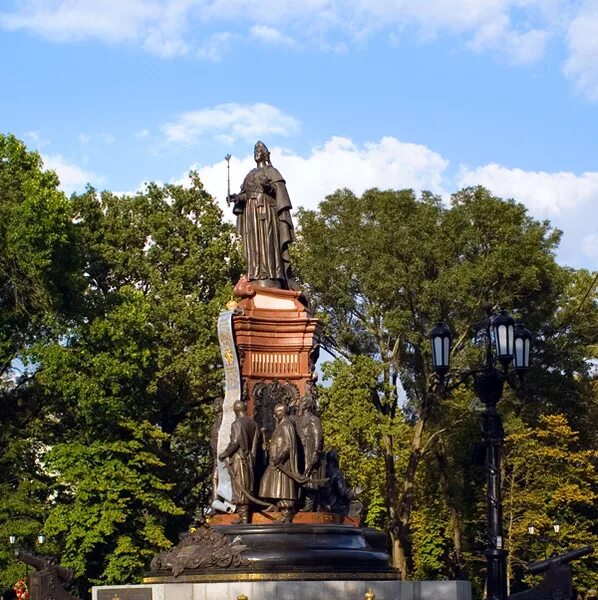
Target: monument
[{"x": 283, "y": 522}]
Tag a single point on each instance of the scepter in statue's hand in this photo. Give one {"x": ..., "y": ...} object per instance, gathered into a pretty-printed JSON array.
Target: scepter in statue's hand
[
  {"x": 237, "y": 200},
  {"x": 227, "y": 159}
]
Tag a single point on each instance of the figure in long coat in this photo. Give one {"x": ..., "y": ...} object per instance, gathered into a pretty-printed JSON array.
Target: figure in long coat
[
  {"x": 276, "y": 484},
  {"x": 309, "y": 430},
  {"x": 241, "y": 450},
  {"x": 264, "y": 223}
]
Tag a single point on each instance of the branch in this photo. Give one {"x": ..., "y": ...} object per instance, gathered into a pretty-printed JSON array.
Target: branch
[
  {"x": 460, "y": 341},
  {"x": 395, "y": 349},
  {"x": 436, "y": 434},
  {"x": 377, "y": 403}
]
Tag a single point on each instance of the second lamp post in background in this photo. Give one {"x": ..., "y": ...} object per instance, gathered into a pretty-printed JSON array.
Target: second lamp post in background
[
  {"x": 40, "y": 540},
  {"x": 506, "y": 342},
  {"x": 544, "y": 536}
]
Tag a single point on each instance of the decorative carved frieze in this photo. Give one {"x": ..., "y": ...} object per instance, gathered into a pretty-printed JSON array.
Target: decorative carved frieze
[{"x": 202, "y": 549}]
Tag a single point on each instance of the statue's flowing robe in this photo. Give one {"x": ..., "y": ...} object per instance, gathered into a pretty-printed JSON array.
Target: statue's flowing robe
[
  {"x": 265, "y": 226},
  {"x": 283, "y": 447},
  {"x": 241, "y": 449}
]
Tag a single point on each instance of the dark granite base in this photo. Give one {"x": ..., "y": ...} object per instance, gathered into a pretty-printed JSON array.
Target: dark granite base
[{"x": 291, "y": 551}]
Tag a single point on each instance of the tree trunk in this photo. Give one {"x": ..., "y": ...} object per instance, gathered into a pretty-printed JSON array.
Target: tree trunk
[
  {"x": 391, "y": 492},
  {"x": 456, "y": 559},
  {"x": 399, "y": 557},
  {"x": 401, "y": 528}
]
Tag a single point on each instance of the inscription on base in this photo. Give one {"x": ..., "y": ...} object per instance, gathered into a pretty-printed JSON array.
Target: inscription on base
[{"x": 125, "y": 594}]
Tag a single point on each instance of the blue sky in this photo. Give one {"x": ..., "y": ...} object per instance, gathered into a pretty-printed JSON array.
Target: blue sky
[{"x": 433, "y": 94}]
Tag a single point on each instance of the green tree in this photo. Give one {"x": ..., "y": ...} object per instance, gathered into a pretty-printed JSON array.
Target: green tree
[
  {"x": 38, "y": 274},
  {"x": 40, "y": 287},
  {"x": 383, "y": 268},
  {"x": 136, "y": 376},
  {"x": 348, "y": 401},
  {"x": 24, "y": 486},
  {"x": 124, "y": 396},
  {"x": 566, "y": 350},
  {"x": 548, "y": 478}
]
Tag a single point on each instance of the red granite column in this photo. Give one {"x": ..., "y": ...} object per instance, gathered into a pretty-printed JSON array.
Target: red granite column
[{"x": 277, "y": 341}]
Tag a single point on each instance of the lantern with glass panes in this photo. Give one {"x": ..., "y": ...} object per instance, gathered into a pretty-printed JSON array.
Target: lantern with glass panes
[
  {"x": 512, "y": 344},
  {"x": 506, "y": 342}
]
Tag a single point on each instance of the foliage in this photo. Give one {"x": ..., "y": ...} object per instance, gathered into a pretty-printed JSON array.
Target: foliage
[
  {"x": 120, "y": 403},
  {"x": 400, "y": 263},
  {"x": 133, "y": 375},
  {"x": 38, "y": 279},
  {"x": 40, "y": 285},
  {"x": 565, "y": 354},
  {"x": 110, "y": 502},
  {"x": 351, "y": 427},
  {"x": 430, "y": 530},
  {"x": 549, "y": 478}
]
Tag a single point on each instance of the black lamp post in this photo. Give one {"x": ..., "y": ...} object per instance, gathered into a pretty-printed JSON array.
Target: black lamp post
[{"x": 511, "y": 344}]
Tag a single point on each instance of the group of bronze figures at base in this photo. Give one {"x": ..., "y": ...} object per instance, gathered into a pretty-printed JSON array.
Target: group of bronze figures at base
[{"x": 298, "y": 474}]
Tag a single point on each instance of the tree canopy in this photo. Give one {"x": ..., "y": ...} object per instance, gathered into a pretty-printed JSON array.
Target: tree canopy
[
  {"x": 38, "y": 261},
  {"x": 381, "y": 269},
  {"x": 110, "y": 363},
  {"x": 106, "y": 441}
]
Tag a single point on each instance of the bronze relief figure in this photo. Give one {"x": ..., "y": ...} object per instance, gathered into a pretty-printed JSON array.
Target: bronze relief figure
[
  {"x": 240, "y": 452},
  {"x": 278, "y": 481},
  {"x": 309, "y": 430}
]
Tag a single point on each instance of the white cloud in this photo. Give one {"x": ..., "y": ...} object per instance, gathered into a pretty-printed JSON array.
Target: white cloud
[
  {"x": 235, "y": 121},
  {"x": 563, "y": 197},
  {"x": 214, "y": 47},
  {"x": 36, "y": 138},
  {"x": 142, "y": 134},
  {"x": 567, "y": 199},
  {"x": 72, "y": 177},
  {"x": 84, "y": 138},
  {"x": 582, "y": 40},
  {"x": 178, "y": 27},
  {"x": 107, "y": 138},
  {"x": 339, "y": 163},
  {"x": 157, "y": 25},
  {"x": 545, "y": 194},
  {"x": 520, "y": 47},
  {"x": 271, "y": 35},
  {"x": 166, "y": 43},
  {"x": 109, "y": 20}
]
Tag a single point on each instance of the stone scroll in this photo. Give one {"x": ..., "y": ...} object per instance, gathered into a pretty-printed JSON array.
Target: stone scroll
[{"x": 232, "y": 387}]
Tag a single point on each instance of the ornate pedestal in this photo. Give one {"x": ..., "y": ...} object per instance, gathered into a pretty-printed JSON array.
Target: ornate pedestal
[
  {"x": 278, "y": 343},
  {"x": 269, "y": 347}
]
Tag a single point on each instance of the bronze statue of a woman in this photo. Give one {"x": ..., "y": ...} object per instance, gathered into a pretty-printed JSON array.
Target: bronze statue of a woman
[{"x": 264, "y": 223}]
